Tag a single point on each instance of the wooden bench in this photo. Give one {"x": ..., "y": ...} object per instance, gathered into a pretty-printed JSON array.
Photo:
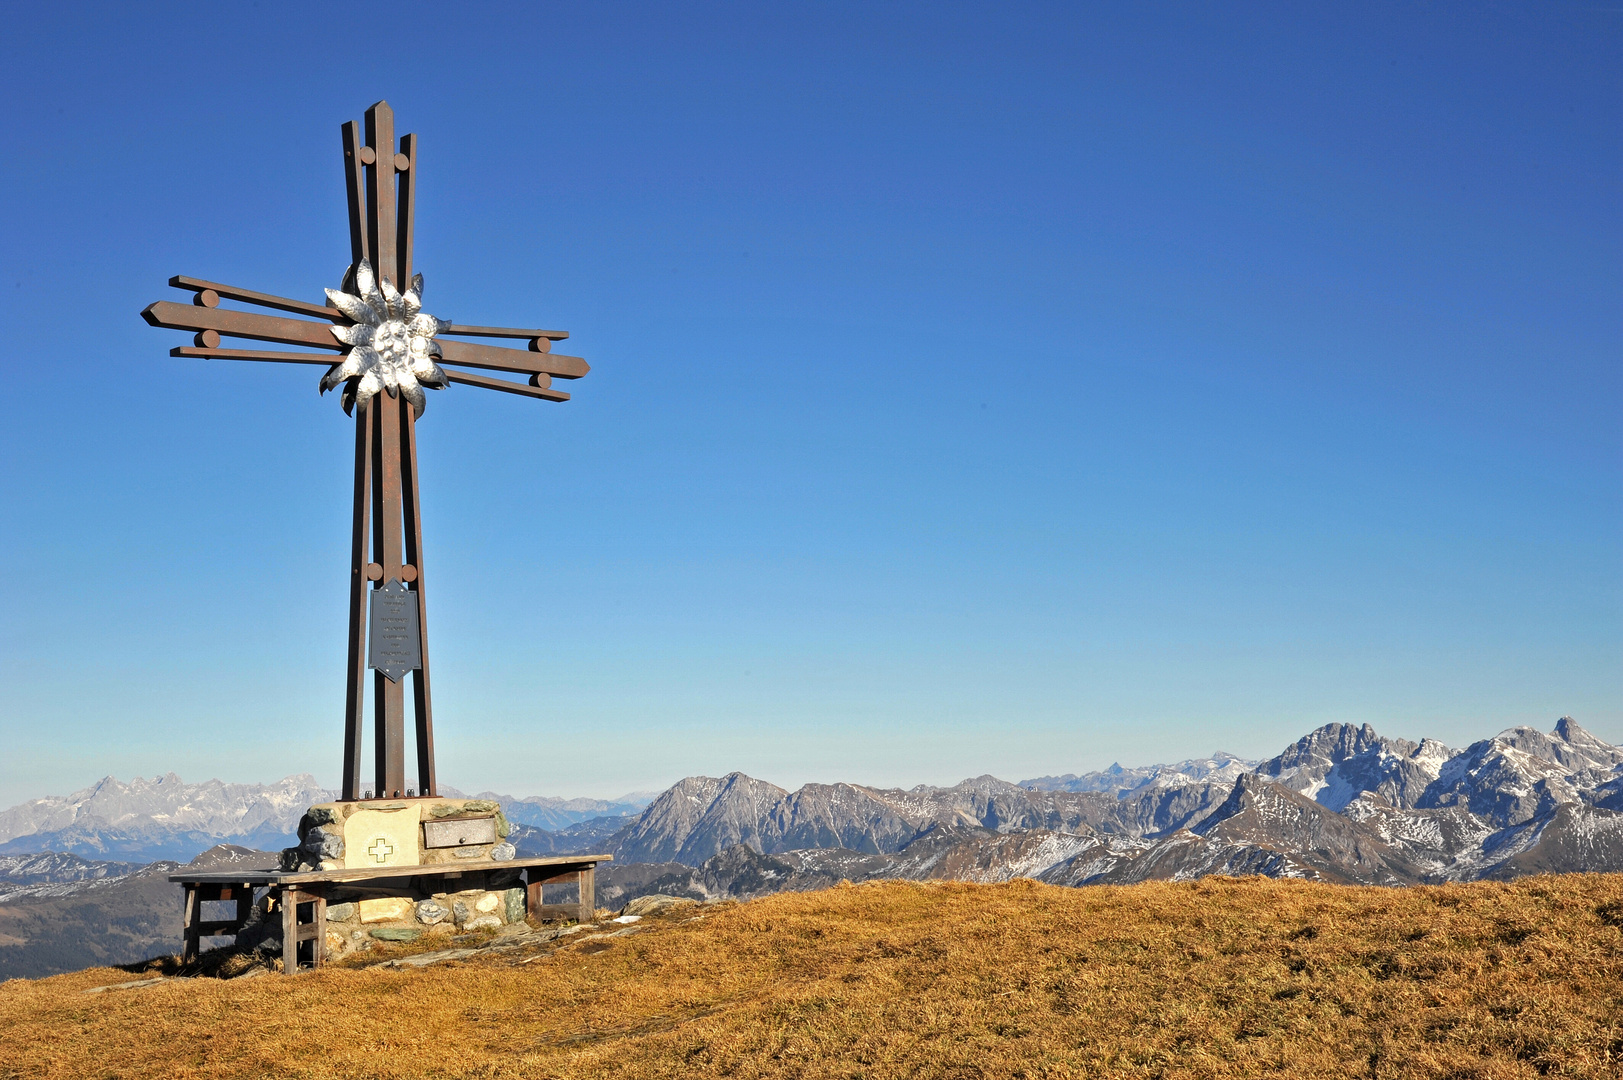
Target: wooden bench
[{"x": 302, "y": 897}]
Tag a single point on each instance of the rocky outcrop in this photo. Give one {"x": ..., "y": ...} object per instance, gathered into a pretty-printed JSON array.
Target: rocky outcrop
[
  {"x": 1156, "y": 810},
  {"x": 1523, "y": 774},
  {"x": 838, "y": 816},
  {"x": 1570, "y": 837},
  {"x": 1271, "y": 817},
  {"x": 699, "y": 817},
  {"x": 1306, "y": 764}
]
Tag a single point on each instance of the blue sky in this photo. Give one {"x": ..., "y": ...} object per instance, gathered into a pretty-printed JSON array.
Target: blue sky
[{"x": 974, "y": 389}]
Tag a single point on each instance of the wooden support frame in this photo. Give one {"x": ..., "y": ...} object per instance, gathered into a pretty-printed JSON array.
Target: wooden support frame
[
  {"x": 194, "y": 928},
  {"x": 537, "y": 878},
  {"x": 355, "y": 191},
  {"x": 297, "y": 931},
  {"x": 191, "y": 918},
  {"x": 301, "y": 897}
]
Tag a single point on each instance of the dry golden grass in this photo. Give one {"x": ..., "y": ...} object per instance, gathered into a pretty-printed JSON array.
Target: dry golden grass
[{"x": 1218, "y": 978}]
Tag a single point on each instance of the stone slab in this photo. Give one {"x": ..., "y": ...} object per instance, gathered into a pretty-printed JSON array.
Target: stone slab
[
  {"x": 384, "y": 837},
  {"x": 459, "y": 832},
  {"x": 387, "y": 909}
]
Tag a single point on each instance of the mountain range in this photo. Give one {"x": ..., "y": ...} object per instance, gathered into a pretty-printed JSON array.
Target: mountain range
[{"x": 1341, "y": 804}]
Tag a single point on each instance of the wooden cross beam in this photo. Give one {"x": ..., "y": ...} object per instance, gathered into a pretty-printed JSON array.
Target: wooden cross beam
[{"x": 381, "y": 187}]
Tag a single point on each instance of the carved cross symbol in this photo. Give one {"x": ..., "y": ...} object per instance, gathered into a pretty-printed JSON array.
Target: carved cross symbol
[
  {"x": 381, "y": 849},
  {"x": 389, "y": 345}
]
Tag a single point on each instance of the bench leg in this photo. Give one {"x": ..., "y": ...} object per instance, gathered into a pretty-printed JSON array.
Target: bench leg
[
  {"x": 532, "y": 892},
  {"x": 588, "y": 895},
  {"x": 318, "y": 913},
  {"x": 289, "y": 901},
  {"x": 294, "y": 932},
  {"x": 191, "y": 916}
]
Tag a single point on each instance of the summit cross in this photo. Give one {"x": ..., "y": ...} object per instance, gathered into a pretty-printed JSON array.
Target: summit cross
[{"x": 391, "y": 349}]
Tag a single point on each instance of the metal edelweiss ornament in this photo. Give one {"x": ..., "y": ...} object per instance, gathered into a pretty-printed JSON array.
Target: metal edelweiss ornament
[{"x": 392, "y": 344}]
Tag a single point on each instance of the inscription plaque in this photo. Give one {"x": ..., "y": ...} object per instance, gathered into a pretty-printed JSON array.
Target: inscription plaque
[
  {"x": 440, "y": 834},
  {"x": 394, "y": 644}
]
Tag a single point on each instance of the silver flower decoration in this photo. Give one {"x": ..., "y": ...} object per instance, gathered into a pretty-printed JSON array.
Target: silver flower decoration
[{"x": 392, "y": 344}]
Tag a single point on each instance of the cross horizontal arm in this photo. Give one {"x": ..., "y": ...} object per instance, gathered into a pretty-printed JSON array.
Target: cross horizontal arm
[
  {"x": 501, "y": 331},
  {"x": 253, "y": 354},
  {"x": 246, "y": 324},
  {"x": 496, "y": 358},
  {"x": 468, "y": 378},
  {"x": 538, "y": 389},
  {"x": 248, "y": 296},
  {"x": 249, "y": 324}
]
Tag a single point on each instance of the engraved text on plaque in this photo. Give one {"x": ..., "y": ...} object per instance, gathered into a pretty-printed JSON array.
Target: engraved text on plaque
[{"x": 394, "y": 644}]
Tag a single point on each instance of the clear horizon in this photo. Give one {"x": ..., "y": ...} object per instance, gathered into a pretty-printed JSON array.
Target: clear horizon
[{"x": 974, "y": 391}]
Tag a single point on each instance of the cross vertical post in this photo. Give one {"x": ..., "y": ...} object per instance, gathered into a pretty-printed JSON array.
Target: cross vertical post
[
  {"x": 422, "y": 701},
  {"x": 355, "y": 676},
  {"x": 380, "y": 218},
  {"x": 408, "y": 184},
  {"x": 355, "y": 190},
  {"x": 391, "y": 416},
  {"x": 388, "y": 702}
]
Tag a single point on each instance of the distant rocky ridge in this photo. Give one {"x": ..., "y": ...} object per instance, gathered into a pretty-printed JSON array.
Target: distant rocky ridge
[
  {"x": 1341, "y": 804},
  {"x": 54, "y": 874},
  {"x": 1218, "y": 769}
]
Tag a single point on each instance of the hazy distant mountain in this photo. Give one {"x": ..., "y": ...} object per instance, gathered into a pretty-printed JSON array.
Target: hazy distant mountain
[
  {"x": 587, "y": 837},
  {"x": 551, "y": 813},
  {"x": 167, "y": 818},
  {"x": 1220, "y": 768},
  {"x": 161, "y": 818}
]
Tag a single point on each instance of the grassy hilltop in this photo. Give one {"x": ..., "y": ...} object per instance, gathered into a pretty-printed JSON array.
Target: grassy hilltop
[{"x": 1221, "y": 978}]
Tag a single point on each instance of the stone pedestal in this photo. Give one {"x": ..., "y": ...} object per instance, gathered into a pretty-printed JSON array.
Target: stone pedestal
[
  {"x": 464, "y": 841},
  {"x": 387, "y": 870},
  {"x": 400, "y": 832}
]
